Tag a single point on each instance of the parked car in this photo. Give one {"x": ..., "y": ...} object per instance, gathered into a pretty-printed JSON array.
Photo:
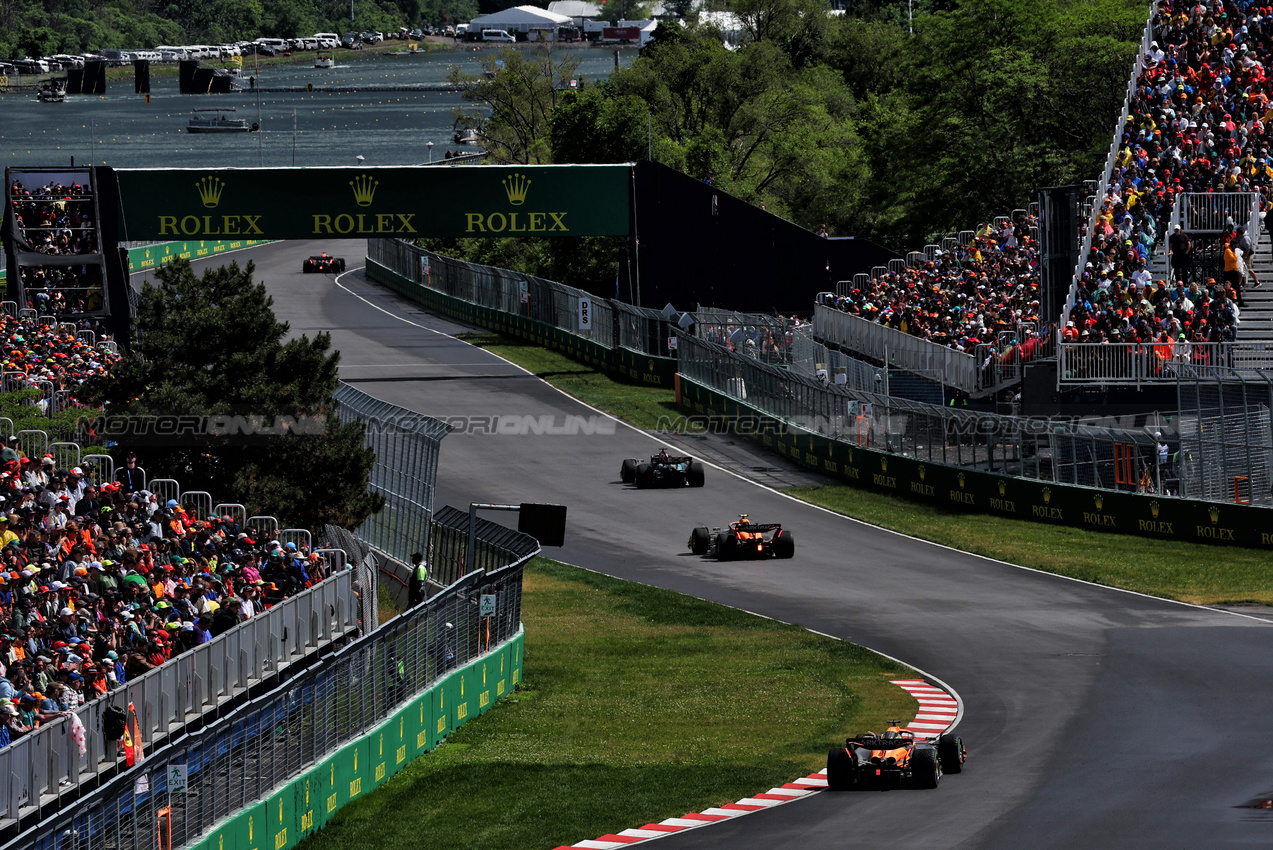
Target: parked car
[{"x": 498, "y": 36}]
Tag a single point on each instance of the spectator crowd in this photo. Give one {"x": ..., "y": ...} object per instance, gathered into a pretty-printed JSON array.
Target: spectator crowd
[
  {"x": 101, "y": 581},
  {"x": 1198, "y": 123},
  {"x": 980, "y": 298},
  {"x": 51, "y": 358},
  {"x": 56, "y": 219}
]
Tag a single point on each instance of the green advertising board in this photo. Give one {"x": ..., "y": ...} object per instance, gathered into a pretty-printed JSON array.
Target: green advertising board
[{"x": 403, "y": 202}]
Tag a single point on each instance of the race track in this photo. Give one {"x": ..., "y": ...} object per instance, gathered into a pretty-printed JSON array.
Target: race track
[{"x": 1093, "y": 717}]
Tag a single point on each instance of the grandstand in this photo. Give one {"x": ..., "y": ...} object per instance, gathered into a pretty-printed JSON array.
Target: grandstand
[{"x": 1191, "y": 150}]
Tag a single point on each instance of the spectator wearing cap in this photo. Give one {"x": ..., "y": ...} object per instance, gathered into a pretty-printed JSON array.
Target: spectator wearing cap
[{"x": 10, "y": 453}]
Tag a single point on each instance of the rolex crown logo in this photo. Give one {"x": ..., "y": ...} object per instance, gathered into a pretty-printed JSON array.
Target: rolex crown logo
[
  {"x": 884, "y": 464},
  {"x": 210, "y": 189},
  {"x": 961, "y": 481},
  {"x": 1153, "y": 508},
  {"x": 516, "y": 186},
  {"x": 1003, "y": 487},
  {"x": 1215, "y": 514},
  {"x": 1099, "y": 500},
  {"x": 922, "y": 472},
  {"x": 1047, "y": 495},
  {"x": 364, "y": 189}
]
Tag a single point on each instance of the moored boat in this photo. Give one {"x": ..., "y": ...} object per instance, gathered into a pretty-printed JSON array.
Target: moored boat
[{"x": 217, "y": 119}]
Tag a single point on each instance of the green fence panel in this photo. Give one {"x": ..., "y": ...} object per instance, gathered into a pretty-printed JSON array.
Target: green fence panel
[
  {"x": 313, "y": 789},
  {"x": 254, "y": 829}
]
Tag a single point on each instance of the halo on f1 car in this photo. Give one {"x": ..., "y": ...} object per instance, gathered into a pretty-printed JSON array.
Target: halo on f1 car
[
  {"x": 323, "y": 263},
  {"x": 894, "y": 759},
  {"x": 663, "y": 470},
  {"x": 743, "y": 540}
]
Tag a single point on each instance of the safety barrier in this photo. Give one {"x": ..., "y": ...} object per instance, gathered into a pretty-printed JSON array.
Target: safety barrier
[{"x": 1159, "y": 363}]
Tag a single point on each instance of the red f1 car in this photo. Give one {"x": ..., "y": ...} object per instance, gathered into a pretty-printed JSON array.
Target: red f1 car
[
  {"x": 743, "y": 540},
  {"x": 323, "y": 263},
  {"x": 894, "y": 759}
]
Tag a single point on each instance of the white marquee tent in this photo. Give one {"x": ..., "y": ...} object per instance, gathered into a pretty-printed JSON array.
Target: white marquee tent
[{"x": 520, "y": 19}]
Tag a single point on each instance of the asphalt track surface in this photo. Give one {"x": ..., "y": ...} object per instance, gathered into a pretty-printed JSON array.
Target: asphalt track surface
[{"x": 1093, "y": 717}]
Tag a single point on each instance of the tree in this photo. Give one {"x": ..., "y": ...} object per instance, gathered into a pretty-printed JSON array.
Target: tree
[
  {"x": 210, "y": 349},
  {"x": 520, "y": 89}
]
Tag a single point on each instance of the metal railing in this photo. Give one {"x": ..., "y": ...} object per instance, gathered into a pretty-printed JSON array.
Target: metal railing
[
  {"x": 897, "y": 349},
  {"x": 40, "y": 771},
  {"x": 1146, "y": 364},
  {"x": 237, "y": 759},
  {"x": 1204, "y": 212},
  {"x": 1038, "y": 449}
]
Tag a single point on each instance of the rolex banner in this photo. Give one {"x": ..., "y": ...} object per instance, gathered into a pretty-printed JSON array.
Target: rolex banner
[{"x": 401, "y": 202}]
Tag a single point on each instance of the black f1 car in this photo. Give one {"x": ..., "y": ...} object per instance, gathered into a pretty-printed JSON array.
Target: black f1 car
[
  {"x": 663, "y": 470},
  {"x": 324, "y": 263},
  {"x": 894, "y": 759},
  {"x": 743, "y": 540}
]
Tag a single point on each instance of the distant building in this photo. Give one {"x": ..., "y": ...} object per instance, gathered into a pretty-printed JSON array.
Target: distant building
[
  {"x": 577, "y": 10},
  {"x": 527, "y": 20}
]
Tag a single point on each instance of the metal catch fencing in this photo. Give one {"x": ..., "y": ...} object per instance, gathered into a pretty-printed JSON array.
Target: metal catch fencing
[
  {"x": 40, "y": 773},
  {"x": 239, "y": 758},
  {"x": 1158, "y": 363},
  {"x": 1225, "y": 447},
  {"x": 611, "y": 323},
  {"x": 406, "y": 444},
  {"x": 1037, "y": 449}
]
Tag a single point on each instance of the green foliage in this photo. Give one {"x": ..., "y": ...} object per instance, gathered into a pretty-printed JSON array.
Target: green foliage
[
  {"x": 589, "y": 263},
  {"x": 521, "y": 89},
  {"x": 211, "y": 346}
]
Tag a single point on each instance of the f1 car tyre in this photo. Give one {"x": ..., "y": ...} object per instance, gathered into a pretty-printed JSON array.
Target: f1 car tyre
[
  {"x": 784, "y": 545},
  {"x": 726, "y": 546},
  {"x": 925, "y": 771},
  {"x": 841, "y": 771},
  {"x": 694, "y": 475},
  {"x": 644, "y": 476},
  {"x": 306, "y": 268},
  {"x": 627, "y": 472},
  {"x": 340, "y": 264},
  {"x": 950, "y": 749},
  {"x": 700, "y": 540}
]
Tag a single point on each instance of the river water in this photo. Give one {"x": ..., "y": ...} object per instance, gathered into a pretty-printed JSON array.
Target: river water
[{"x": 325, "y": 128}]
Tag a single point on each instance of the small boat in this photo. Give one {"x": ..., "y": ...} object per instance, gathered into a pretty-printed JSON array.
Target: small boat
[
  {"x": 51, "y": 94},
  {"x": 216, "y": 119},
  {"x": 324, "y": 62}
]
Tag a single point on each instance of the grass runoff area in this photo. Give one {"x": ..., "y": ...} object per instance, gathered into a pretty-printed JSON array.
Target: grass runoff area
[
  {"x": 1201, "y": 574},
  {"x": 638, "y": 704}
]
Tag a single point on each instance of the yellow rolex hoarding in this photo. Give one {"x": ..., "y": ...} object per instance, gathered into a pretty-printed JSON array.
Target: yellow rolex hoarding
[{"x": 403, "y": 202}]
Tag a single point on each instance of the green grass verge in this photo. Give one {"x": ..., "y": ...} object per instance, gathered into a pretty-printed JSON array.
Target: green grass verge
[
  {"x": 638, "y": 704},
  {"x": 643, "y": 406},
  {"x": 1197, "y": 573}
]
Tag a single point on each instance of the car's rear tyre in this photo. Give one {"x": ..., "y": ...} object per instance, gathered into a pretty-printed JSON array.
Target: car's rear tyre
[
  {"x": 340, "y": 265},
  {"x": 784, "y": 545},
  {"x": 644, "y": 476},
  {"x": 700, "y": 540},
  {"x": 305, "y": 269},
  {"x": 726, "y": 546},
  {"x": 925, "y": 771},
  {"x": 695, "y": 476},
  {"x": 950, "y": 749},
  {"x": 841, "y": 771},
  {"x": 627, "y": 471}
]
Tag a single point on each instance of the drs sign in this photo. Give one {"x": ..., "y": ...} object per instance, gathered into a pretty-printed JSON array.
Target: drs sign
[{"x": 585, "y": 314}]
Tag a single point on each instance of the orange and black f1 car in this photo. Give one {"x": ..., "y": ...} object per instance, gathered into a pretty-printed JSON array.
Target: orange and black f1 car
[
  {"x": 895, "y": 759},
  {"x": 743, "y": 540},
  {"x": 323, "y": 263}
]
